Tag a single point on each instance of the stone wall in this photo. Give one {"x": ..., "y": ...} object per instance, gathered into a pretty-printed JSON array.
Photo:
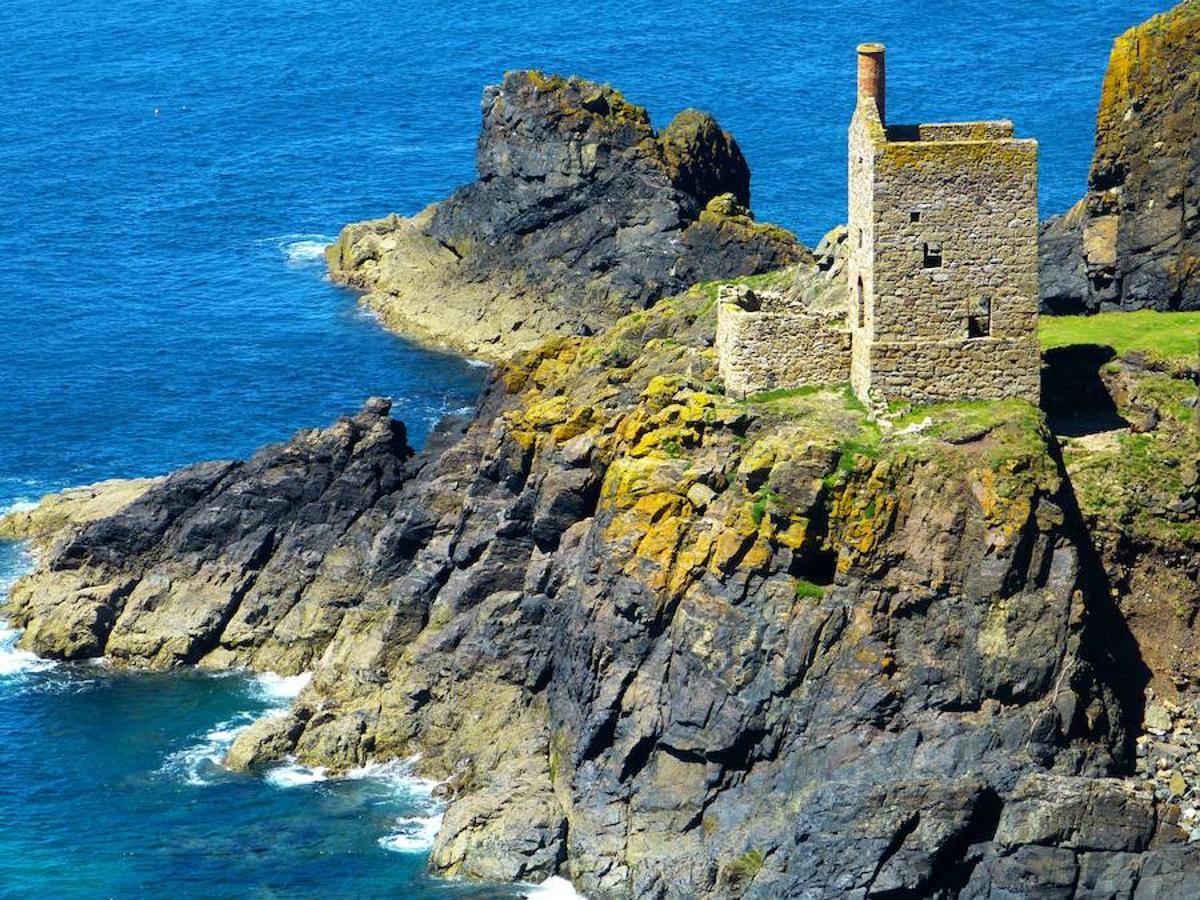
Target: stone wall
[
  {"x": 942, "y": 272},
  {"x": 961, "y": 131},
  {"x": 944, "y": 236},
  {"x": 963, "y": 369},
  {"x": 866, "y": 136},
  {"x": 768, "y": 340}
]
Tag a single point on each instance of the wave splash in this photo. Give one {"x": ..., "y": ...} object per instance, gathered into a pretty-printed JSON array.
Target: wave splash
[
  {"x": 203, "y": 762},
  {"x": 272, "y": 687},
  {"x": 302, "y": 250},
  {"x": 200, "y": 763},
  {"x": 12, "y": 660},
  {"x": 413, "y": 833},
  {"x": 553, "y": 888}
]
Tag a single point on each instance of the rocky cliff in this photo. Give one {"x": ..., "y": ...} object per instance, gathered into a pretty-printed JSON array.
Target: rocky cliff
[
  {"x": 671, "y": 644},
  {"x": 581, "y": 212},
  {"x": 666, "y": 643},
  {"x": 1134, "y": 241}
]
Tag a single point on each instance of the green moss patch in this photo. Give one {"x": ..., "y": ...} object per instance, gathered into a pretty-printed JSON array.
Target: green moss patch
[{"x": 1167, "y": 335}]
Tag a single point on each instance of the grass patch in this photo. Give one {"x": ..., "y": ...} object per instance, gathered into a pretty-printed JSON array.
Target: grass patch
[
  {"x": 784, "y": 393},
  {"x": 1168, "y": 335},
  {"x": 762, "y": 500},
  {"x": 742, "y": 870},
  {"x": 806, "y": 589},
  {"x": 776, "y": 278}
]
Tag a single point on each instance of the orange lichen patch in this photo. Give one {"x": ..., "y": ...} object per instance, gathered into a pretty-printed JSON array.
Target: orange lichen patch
[
  {"x": 795, "y": 535},
  {"x": 690, "y": 561},
  {"x": 545, "y": 412},
  {"x": 863, "y": 514},
  {"x": 1139, "y": 58},
  {"x": 729, "y": 546},
  {"x": 1006, "y": 512},
  {"x": 540, "y": 366},
  {"x": 943, "y": 155}
]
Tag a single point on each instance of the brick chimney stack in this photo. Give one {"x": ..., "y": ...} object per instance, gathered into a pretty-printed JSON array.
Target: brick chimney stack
[{"x": 871, "y": 81}]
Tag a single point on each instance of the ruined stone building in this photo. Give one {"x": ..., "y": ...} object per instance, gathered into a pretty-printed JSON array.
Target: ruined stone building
[{"x": 942, "y": 269}]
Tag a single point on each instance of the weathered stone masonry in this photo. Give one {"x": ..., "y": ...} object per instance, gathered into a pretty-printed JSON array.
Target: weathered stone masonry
[
  {"x": 942, "y": 268},
  {"x": 769, "y": 339}
]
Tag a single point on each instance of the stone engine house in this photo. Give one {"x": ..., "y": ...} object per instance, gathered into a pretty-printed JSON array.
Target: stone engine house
[{"x": 941, "y": 264}]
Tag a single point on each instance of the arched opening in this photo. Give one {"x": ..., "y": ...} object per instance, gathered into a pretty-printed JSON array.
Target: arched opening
[{"x": 862, "y": 304}]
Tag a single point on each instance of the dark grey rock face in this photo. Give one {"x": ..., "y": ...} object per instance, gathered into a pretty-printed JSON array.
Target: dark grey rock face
[
  {"x": 581, "y": 212},
  {"x": 578, "y": 192},
  {"x": 1135, "y": 241},
  {"x": 1062, "y": 271},
  {"x": 230, "y": 562},
  {"x": 661, "y": 643}
]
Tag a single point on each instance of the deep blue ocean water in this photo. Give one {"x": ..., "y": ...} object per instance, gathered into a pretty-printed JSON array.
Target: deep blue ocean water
[{"x": 168, "y": 175}]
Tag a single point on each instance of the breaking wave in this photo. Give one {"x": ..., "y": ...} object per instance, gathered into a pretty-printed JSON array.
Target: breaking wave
[
  {"x": 554, "y": 888},
  {"x": 294, "y": 775},
  {"x": 202, "y": 762},
  {"x": 303, "y": 249},
  {"x": 12, "y": 660}
]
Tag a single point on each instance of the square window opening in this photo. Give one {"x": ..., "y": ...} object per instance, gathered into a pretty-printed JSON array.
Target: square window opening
[
  {"x": 933, "y": 256},
  {"x": 914, "y": 216},
  {"x": 979, "y": 322}
]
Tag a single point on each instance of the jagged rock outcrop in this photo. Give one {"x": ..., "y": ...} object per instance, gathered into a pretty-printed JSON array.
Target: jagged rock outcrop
[
  {"x": 1134, "y": 240},
  {"x": 581, "y": 213},
  {"x": 662, "y": 642},
  {"x": 223, "y": 563}
]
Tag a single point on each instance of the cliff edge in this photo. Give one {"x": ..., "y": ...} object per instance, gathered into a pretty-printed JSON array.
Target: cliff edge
[{"x": 664, "y": 642}]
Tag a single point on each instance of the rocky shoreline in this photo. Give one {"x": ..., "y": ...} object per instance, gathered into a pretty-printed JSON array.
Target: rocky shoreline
[
  {"x": 662, "y": 641},
  {"x": 618, "y": 613}
]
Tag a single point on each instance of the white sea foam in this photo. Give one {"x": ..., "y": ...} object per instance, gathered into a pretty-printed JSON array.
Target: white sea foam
[
  {"x": 412, "y": 834},
  {"x": 21, "y": 505},
  {"x": 398, "y": 774},
  {"x": 303, "y": 249},
  {"x": 200, "y": 763},
  {"x": 553, "y": 888},
  {"x": 14, "y": 661},
  {"x": 294, "y": 775},
  {"x": 274, "y": 687},
  {"x": 196, "y": 765},
  {"x": 306, "y": 251},
  {"x": 479, "y": 363}
]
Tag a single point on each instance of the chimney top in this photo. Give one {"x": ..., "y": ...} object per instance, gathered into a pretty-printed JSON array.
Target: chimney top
[{"x": 871, "y": 79}]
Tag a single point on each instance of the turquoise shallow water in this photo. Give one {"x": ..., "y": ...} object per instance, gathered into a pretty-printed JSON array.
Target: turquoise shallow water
[{"x": 168, "y": 175}]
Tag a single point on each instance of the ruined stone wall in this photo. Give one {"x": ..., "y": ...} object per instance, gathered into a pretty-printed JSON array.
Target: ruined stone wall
[
  {"x": 767, "y": 340},
  {"x": 955, "y": 237},
  {"x": 965, "y": 131},
  {"x": 942, "y": 272}
]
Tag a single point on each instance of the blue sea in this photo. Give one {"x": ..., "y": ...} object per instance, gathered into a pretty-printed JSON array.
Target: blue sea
[{"x": 169, "y": 173}]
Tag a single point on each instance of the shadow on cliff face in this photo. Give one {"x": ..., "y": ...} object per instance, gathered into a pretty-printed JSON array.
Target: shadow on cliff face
[
  {"x": 1074, "y": 396},
  {"x": 1109, "y": 643}
]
